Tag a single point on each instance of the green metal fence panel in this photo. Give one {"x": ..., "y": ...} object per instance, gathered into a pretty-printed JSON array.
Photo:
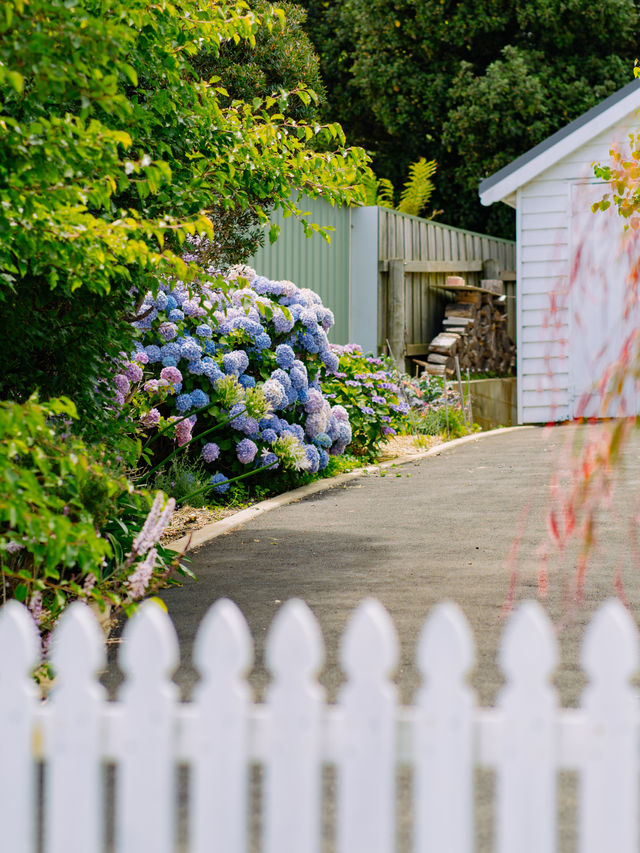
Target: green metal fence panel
[{"x": 310, "y": 261}]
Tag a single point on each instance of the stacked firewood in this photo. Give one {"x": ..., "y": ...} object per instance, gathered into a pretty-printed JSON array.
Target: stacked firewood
[{"x": 475, "y": 330}]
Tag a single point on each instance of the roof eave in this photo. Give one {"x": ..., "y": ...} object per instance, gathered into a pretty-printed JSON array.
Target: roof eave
[{"x": 502, "y": 186}]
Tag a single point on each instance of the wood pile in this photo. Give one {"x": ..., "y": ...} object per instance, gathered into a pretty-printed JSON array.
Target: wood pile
[{"x": 474, "y": 330}]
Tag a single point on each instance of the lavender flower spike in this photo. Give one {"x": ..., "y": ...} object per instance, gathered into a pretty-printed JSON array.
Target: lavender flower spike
[
  {"x": 154, "y": 525},
  {"x": 138, "y": 582}
]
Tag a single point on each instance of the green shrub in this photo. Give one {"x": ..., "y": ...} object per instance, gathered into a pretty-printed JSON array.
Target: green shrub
[
  {"x": 72, "y": 525},
  {"x": 368, "y": 388}
]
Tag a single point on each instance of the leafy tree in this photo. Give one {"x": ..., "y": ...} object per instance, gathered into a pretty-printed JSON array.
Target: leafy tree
[
  {"x": 474, "y": 84},
  {"x": 415, "y": 194},
  {"x": 113, "y": 149}
]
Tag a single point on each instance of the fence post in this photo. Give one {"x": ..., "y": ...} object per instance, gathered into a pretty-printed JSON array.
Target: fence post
[{"x": 396, "y": 311}]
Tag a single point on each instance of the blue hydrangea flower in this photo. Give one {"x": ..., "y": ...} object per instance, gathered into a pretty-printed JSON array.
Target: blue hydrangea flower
[
  {"x": 210, "y": 347},
  {"x": 183, "y": 402},
  {"x": 235, "y": 362},
  {"x": 176, "y": 315},
  {"x": 330, "y": 360},
  {"x": 167, "y": 331},
  {"x": 171, "y": 303},
  {"x": 153, "y": 353},
  {"x": 324, "y": 460},
  {"x": 263, "y": 341},
  {"x": 269, "y": 459},
  {"x": 283, "y": 378},
  {"x": 199, "y": 398},
  {"x": 171, "y": 350},
  {"x": 275, "y": 393},
  {"x": 220, "y": 483},
  {"x": 190, "y": 349},
  {"x": 196, "y": 367},
  {"x": 308, "y": 341},
  {"x": 168, "y": 361},
  {"x": 322, "y": 440},
  {"x": 204, "y": 330},
  {"x": 247, "y": 381},
  {"x": 162, "y": 300},
  {"x": 285, "y": 356},
  {"x": 269, "y": 435},
  {"x": 282, "y": 324},
  {"x": 313, "y": 456},
  {"x": 298, "y": 378},
  {"x": 303, "y": 395}
]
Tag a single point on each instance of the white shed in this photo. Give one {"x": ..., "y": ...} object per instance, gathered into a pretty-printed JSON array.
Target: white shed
[{"x": 571, "y": 272}]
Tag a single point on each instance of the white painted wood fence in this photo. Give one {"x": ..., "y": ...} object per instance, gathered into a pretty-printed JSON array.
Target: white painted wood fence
[{"x": 147, "y": 732}]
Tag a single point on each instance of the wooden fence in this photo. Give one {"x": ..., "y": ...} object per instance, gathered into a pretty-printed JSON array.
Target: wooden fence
[
  {"x": 147, "y": 733},
  {"x": 415, "y": 258}
]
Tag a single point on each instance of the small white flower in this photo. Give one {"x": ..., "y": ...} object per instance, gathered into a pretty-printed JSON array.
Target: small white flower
[
  {"x": 128, "y": 167},
  {"x": 146, "y": 160}
]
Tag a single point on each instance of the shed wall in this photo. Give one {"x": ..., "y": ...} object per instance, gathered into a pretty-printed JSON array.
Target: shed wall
[{"x": 545, "y": 240}]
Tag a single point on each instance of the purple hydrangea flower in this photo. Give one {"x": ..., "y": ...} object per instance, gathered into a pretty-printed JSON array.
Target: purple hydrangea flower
[
  {"x": 171, "y": 374},
  {"x": 376, "y": 398},
  {"x": 313, "y": 456},
  {"x": 141, "y": 357},
  {"x": 246, "y": 451},
  {"x": 210, "y": 452},
  {"x": 134, "y": 372},
  {"x": 122, "y": 383},
  {"x": 152, "y": 418},
  {"x": 168, "y": 331},
  {"x": 315, "y": 401}
]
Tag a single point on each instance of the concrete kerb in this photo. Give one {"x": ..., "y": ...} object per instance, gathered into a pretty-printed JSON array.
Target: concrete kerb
[{"x": 219, "y": 528}]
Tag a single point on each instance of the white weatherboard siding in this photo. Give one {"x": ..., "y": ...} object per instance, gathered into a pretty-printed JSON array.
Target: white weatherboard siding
[{"x": 559, "y": 322}]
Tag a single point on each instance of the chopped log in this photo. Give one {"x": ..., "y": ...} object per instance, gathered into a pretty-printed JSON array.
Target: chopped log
[
  {"x": 438, "y": 358},
  {"x": 455, "y": 281},
  {"x": 461, "y": 309},
  {"x": 445, "y": 342},
  {"x": 462, "y": 322},
  {"x": 473, "y": 296}
]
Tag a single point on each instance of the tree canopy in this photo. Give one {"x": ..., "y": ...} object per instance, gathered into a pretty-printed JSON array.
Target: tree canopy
[
  {"x": 114, "y": 148},
  {"x": 469, "y": 84}
]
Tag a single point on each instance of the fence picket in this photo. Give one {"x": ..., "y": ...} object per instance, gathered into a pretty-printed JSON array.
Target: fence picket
[
  {"x": 223, "y": 654},
  {"x": 145, "y": 804},
  {"x": 526, "y": 772},
  {"x": 609, "y": 783},
  {"x": 19, "y": 654},
  {"x": 366, "y": 767},
  {"x": 443, "y": 779},
  {"x": 73, "y": 736},
  {"x": 292, "y": 777}
]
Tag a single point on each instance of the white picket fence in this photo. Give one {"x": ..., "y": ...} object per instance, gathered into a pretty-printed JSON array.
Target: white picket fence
[{"x": 148, "y": 732}]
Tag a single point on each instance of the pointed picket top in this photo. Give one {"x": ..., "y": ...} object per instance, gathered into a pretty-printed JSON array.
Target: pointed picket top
[
  {"x": 528, "y": 644},
  {"x": 77, "y": 645},
  {"x": 369, "y": 645},
  {"x": 149, "y": 649},
  {"x": 19, "y": 642},
  {"x": 610, "y": 645},
  {"x": 223, "y": 643},
  {"x": 446, "y": 638},
  {"x": 294, "y": 642}
]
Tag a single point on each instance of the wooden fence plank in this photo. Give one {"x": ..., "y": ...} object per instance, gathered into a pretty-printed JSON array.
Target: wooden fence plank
[
  {"x": 609, "y": 774},
  {"x": 292, "y": 777},
  {"x": 74, "y": 737},
  {"x": 222, "y": 654},
  {"x": 366, "y": 768},
  {"x": 443, "y": 787},
  {"x": 526, "y": 790},
  {"x": 146, "y": 775},
  {"x": 19, "y": 654}
]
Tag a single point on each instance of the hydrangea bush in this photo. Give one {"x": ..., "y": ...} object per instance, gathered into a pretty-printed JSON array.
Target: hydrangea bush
[
  {"x": 234, "y": 376},
  {"x": 369, "y": 389}
]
